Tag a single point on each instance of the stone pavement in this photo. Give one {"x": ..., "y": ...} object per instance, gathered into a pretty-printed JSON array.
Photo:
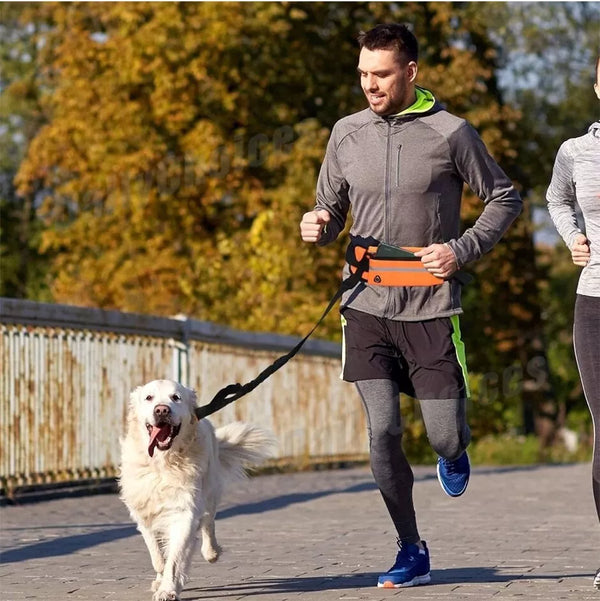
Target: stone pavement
[{"x": 518, "y": 533}]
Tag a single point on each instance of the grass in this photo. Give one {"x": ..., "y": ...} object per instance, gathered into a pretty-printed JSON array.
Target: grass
[{"x": 523, "y": 450}]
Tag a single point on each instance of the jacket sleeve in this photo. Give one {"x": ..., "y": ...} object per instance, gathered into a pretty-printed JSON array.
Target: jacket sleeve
[
  {"x": 561, "y": 196},
  {"x": 332, "y": 192},
  {"x": 485, "y": 177}
]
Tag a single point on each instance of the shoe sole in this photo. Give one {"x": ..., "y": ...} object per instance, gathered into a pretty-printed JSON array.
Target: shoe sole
[
  {"x": 449, "y": 493},
  {"x": 414, "y": 582}
]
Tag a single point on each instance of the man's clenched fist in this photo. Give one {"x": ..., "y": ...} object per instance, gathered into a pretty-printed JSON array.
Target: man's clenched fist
[{"x": 312, "y": 225}]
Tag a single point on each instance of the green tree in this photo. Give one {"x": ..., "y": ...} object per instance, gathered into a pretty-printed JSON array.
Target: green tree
[
  {"x": 22, "y": 267},
  {"x": 548, "y": 57}
]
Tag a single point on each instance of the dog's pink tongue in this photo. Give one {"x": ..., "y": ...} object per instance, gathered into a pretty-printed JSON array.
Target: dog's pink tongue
[{"x": 158, "y": 433}]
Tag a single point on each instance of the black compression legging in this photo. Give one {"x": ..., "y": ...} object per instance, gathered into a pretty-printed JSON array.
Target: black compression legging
[
  {"x": 448, "y": 433},
  {"x": 586, "y": 340}
]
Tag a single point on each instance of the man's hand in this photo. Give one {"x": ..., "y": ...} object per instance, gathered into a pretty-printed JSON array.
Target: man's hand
[
  {"x": 580, "y": 251},
  {"x": 312, "y": 224},
  {"x": 439, "y": 260}
]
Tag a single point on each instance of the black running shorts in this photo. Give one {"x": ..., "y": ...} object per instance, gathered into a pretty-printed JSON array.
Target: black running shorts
[{"x": 426, "y": 358}]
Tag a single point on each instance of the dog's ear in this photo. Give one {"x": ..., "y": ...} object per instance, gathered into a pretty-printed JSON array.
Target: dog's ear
[
  {"x": 134, "y": 394},
  {"x": 192, "y": 402},
  {"x": 190, "y": 394},
  {"x": 132, "y": 417}
]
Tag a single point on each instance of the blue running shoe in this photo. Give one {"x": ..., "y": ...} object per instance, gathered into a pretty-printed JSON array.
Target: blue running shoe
[
  {"x": 411, "y": 568},
  {"x": 454, "y": 475}
]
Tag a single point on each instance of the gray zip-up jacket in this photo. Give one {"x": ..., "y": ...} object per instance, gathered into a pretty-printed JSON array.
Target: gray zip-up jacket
[
  {"x": 402, "y": 177},
  {"x": 576, "y": 178}
]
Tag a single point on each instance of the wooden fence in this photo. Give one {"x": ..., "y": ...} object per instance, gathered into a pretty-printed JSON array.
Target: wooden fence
[{"x": 67, "y": 373}]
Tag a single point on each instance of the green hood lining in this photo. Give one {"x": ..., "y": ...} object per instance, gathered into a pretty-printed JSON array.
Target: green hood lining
[{"x": 425, "y": 101}]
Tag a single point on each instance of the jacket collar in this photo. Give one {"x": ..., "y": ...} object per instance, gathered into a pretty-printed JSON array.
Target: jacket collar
[{"x": 425, "y": 104}]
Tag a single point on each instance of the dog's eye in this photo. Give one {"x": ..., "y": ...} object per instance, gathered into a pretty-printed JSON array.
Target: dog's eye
[
  {"x": 176, "y": 397},
  {"x": 149, "y": 397}
]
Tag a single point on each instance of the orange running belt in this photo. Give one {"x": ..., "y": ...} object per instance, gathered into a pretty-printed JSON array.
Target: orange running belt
[{"x": 394, "y": 271}]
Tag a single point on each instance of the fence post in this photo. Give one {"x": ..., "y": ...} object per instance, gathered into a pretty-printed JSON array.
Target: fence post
[{"x": 181, "y": 352}]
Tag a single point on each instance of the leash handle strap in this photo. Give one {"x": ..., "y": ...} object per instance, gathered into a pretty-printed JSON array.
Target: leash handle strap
[{"x": 233, "y": 392}]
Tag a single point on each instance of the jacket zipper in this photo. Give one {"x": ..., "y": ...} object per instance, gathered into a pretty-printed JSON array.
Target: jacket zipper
[{"x": 386, "y": 210}]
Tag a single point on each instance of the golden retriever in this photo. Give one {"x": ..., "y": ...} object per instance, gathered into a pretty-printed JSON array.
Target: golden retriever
[{"x": 173, "y": 469}]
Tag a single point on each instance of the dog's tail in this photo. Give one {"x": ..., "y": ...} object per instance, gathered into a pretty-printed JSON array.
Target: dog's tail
[{"x": 243, "y": 445}]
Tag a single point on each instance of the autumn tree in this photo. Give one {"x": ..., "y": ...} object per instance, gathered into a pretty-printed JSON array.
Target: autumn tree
[
  {"x": 182, "y": 138},
  {"x": 182, "y": 146}
]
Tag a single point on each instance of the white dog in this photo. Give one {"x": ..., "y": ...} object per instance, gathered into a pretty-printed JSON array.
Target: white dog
[{"x": 173, "y": 468}]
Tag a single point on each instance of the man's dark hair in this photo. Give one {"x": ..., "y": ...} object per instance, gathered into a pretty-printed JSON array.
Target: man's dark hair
[{"x": 389, "y": 36}]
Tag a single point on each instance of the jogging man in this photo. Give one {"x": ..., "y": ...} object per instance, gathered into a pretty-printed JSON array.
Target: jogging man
[{"x": 399, "y": 165}]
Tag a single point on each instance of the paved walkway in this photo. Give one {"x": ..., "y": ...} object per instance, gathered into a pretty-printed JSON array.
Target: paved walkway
[{"x": 525, "y": 533}]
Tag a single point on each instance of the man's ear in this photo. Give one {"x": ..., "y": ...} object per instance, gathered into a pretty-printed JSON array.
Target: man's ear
[{"x": 412, "y": 69}]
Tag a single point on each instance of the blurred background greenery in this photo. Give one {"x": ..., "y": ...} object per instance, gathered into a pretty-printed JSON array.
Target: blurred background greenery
[{"x": 157, "y": 157}]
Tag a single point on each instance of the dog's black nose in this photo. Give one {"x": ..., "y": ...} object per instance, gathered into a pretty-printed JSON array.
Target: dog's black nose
[{"x": 161, "y": 411}]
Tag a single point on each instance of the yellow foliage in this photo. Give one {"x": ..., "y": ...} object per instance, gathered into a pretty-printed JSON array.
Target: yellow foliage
[{"x": 183, "y": 142}]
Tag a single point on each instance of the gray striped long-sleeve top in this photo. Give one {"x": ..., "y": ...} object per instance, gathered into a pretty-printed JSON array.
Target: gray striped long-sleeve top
[{"x": 576, "y": 178}]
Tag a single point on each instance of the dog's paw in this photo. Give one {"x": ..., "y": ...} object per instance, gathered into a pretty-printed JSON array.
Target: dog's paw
[
  {"x": 165, "y": 596},
  {"x": 211, "y": 556},
  {"x": 210, "y": 553},
  {"x": 156, "y": 584}
]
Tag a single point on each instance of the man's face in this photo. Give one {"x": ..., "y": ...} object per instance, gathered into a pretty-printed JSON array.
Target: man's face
[{"x": 387, "y": 84}]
